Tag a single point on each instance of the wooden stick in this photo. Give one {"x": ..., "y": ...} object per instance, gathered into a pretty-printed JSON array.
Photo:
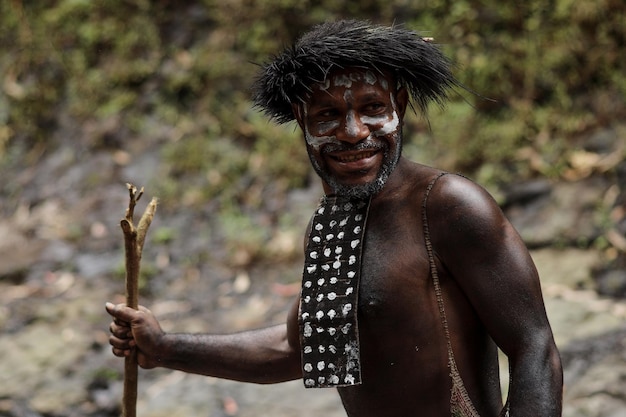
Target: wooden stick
[{"x": 134, "y": 239}]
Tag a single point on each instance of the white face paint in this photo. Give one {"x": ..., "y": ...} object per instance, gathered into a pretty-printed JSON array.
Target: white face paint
[
  {"x": 316, "y": 142},
  {"x": 326, "y": 127},
  {"x": 346, "y": 80},
  {"x": 342, "y": 80},
  {"x": 384, "y": 84},
  {"x": 323, "y": 127},
  {"x": 370, "y": 78},
  {"x": 389, "y": 126},
  {"x": 353, "y": 105},
  {"x": 351, "y": 126},
  {"x": 324, "y": 86}
]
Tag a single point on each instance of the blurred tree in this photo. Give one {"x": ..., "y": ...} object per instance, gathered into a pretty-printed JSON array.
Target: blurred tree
[{"x": 545, "y": 72}]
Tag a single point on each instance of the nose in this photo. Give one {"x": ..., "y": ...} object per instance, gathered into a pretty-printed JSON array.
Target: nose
[{"x": 353, "y": 130}]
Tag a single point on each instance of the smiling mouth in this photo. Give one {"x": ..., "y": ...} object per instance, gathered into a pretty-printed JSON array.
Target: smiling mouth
[{"x": 346, "y": 158}]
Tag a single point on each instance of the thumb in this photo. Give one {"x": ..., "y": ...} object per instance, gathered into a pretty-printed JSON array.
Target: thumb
[{"x": 120, "y": 311}]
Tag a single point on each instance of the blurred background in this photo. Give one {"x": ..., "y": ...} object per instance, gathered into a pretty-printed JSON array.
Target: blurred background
[{"x": 94, "y": 94}]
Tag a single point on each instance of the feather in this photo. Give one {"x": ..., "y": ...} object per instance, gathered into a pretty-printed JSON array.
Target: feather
[{"x": 416, "y": 63}]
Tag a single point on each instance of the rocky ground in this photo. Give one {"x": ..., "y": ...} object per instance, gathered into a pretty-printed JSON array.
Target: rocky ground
[{"x": 61, "y": 259}]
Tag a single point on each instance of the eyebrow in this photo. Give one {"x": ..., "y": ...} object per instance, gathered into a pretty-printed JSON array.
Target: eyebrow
[
  {"x": 374, "y": 97},
  {"x": 329, "y": 101}
]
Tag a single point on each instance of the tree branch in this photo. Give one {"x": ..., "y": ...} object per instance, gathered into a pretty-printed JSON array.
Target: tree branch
[{"x": 134, "y": 239}]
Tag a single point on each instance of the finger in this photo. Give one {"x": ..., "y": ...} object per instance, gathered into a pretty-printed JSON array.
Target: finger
[
  {"x": 120, "y": 323},
  {"x": 121, "y": 352},
  {"x": 122, "y": 332},
  {"x": 119, "y": 342},
  {"x": 110, "y": 306},
  {"x": 144, "y": 309},
  {"x": 120, "y": 312}
]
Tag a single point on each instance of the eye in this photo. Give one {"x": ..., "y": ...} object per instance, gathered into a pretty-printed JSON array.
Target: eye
[
  {"x": 375, "y": 108},
  {"x": 325, "y": 114}
]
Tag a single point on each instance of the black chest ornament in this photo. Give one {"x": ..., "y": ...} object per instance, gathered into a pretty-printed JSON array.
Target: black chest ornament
[{"x": 329, "y": 334}]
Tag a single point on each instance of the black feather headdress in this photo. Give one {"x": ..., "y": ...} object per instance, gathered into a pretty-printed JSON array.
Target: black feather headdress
[{"x": 417, "y": 64}]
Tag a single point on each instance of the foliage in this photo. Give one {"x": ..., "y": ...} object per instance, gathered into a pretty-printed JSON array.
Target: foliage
[
  {"x": 175, "y": 74},
  {"x": 543, "y": 65},
  {"x": 546, "y": 67}
]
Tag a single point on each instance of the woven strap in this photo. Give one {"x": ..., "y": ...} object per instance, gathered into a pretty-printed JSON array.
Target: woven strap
[
  {"x": 460, "y": 402},
  {"x": 329, "y": 332}
]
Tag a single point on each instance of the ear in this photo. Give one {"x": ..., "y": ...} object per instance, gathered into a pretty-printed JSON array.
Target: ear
[
  {"x": 402, "y": 101},
  {"x": 298, "y": 113}
]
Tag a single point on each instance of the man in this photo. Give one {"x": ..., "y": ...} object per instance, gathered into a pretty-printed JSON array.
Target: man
[{"x": 412, "y": 277}]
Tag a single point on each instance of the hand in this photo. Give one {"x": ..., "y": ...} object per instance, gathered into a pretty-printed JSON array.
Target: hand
[{"x": 136, "y": 329}]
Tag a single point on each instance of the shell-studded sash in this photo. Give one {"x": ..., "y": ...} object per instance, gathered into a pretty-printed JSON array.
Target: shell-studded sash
[{"x": 329, "y": 333}]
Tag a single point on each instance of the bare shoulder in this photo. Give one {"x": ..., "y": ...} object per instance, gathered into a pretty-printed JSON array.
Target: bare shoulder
[
  {"x": 453, "y": 195},
  {"x": 448, "y": 192},
  {"x": 411, "y": 179},
  {"x": 461, "y": 210}
]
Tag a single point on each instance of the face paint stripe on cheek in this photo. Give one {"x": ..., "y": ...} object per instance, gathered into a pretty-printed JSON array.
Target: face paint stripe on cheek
[
  {"x": 391, "y": 125},
  {"x": 324, "y": 128},
  {"x": 316, "y": 142},
  {"x": 388, "y": 127}
]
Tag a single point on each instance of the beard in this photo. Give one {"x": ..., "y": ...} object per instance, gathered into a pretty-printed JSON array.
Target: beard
[{"x": 391, "y": 156}]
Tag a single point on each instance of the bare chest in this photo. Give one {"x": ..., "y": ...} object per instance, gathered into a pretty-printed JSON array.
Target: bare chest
[{"x": 395, "y": 281}]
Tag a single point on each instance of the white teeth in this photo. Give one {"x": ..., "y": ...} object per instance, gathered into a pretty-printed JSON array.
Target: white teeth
[{"x": 353, "y": 158}]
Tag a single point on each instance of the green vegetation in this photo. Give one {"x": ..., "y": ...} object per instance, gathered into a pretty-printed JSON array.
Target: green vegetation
[
  {"x": 547, "y": 67},
  {"x": 177, "y": 74}
]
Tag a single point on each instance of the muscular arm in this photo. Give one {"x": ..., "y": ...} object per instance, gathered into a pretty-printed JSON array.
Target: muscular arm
[
  {"x": 266, "y": 355},
  {"x": 491, "y": 264}
]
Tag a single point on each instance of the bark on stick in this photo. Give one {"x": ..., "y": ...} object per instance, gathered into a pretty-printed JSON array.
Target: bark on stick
[{"x": 134, "y": 238}]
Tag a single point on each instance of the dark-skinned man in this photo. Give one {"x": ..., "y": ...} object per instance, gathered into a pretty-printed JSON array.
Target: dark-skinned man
[{"x": 413, "y": 278}]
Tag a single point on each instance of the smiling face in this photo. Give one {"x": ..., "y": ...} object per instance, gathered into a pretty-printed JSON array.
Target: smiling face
[{"x": 352, "y": 124}]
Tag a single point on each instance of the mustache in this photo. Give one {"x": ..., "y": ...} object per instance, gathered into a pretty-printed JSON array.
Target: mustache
[{"x": 367, "y": 144}]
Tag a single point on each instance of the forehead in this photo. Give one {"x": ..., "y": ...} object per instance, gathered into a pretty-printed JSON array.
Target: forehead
[
  {"x": 349, "y": 77},
  {"x": 353, "y": 80}
]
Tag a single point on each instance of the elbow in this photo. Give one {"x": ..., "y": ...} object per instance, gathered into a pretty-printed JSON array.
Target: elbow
[
  {"x": 271, "y": 376},
  {"x": 551, "y": 366},
  {"x": 551, "y": 358},
  {"x": 285, "y": 367},
  {"x": 554, "y": 363},
  {"x": 536, "y": 380},
  {"x": 538, "y": 361}
]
